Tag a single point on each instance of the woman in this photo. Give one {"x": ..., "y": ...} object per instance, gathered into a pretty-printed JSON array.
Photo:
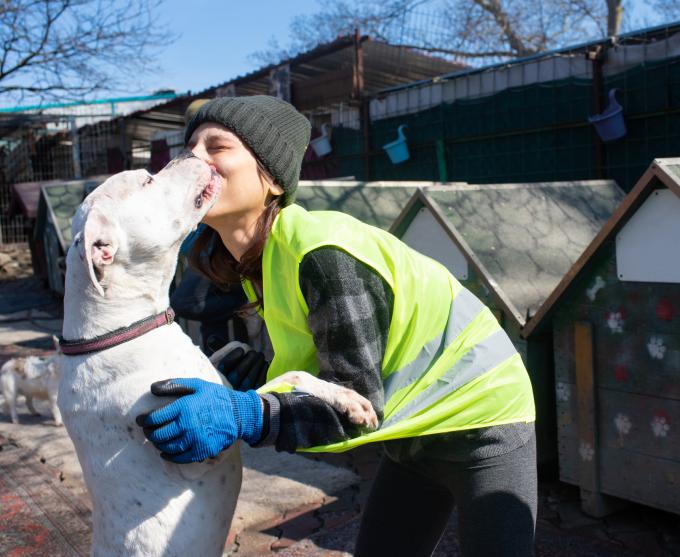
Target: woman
[{"x": 353, "y": 305}]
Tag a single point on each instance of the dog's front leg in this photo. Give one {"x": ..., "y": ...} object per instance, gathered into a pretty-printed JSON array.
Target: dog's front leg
[
  {"x": 56, "y": 414},
  {"x": 9, "y": 391},
  {"x": 358, "y": 409}
]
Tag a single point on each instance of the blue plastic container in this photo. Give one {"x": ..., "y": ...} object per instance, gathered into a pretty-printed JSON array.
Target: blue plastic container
[
  {"x": 322, "y": 144},
  {"x": 610, "y": 124},
  {"x": 398, "y": 150}
]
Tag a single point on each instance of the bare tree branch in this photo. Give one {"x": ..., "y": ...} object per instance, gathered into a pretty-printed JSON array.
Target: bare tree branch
[
  {"x": 483, "y": 30},
  {"x": 65, "y": 49}
]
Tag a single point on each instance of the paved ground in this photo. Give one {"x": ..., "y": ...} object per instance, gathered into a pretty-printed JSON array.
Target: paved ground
[{"x": 290, "y": 505}]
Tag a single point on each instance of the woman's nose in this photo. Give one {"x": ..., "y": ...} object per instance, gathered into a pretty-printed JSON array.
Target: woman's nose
[{"x": 199, "y": 151}]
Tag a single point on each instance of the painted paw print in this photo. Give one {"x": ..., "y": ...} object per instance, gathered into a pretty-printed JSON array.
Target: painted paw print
[
  {"x": 562, "y": 392},
  {"x": 656, "y": 348},
  {"x": 598, "y": 285},
  {"x": 660, "y": 425},
  {"x": 586, "y": 451},
  {"x": 623, "y": 424},
  {"x": 615, "y": 322}
]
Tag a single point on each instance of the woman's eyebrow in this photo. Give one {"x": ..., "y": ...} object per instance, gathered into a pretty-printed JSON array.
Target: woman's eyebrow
[{"x": 214, "y": 138}]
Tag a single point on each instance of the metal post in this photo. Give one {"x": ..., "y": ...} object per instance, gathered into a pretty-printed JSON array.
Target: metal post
[
  {"x": 597, "y": 57},
  {"x": 75, "y": 148},
  {"x": 358, "y": 94}
]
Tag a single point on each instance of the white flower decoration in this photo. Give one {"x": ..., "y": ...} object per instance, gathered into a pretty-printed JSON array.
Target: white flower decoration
[
  {"x": 586, "y": 451},
  {"x": 623, "y": 424},
  {"x": 562, "y": 392},
  {"x": 615, "y": 322},
  {"x": 656, "y": 348},
  {"x": 660, "y": 426}
]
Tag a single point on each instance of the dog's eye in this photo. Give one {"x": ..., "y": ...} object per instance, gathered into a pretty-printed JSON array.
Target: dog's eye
[{"x": 148, "y": 180}]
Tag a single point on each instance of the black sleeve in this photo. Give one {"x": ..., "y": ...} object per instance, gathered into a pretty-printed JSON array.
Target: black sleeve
[{"x": 350, "y": 307}]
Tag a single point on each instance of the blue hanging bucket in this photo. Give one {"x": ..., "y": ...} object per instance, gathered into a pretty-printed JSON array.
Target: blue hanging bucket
[
  {"x": 610, "y": 124},
  {"x": 322, "y": 144},
  {"x": 398, "y": 150}
]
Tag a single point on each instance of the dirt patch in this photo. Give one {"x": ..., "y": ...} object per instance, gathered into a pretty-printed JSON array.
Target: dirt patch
[{"x": 15, "y": 261}]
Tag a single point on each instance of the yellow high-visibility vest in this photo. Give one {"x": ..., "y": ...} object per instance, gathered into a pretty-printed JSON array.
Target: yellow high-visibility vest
[{"x": 448, "y": 364}]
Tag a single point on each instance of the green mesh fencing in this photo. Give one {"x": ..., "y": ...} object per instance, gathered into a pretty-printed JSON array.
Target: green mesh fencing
[{"x": 531, "y": 133}]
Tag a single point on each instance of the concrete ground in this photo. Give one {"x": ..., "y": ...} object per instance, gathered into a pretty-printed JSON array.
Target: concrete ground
[{"x": 290, "y": 505}]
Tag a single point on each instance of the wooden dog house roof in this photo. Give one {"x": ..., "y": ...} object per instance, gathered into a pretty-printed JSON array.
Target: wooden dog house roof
[
  {"x": 662, "y": 174},
  {"x": 520, "y": 238}
]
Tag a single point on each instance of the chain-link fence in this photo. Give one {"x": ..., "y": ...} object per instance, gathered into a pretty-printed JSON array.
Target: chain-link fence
[{"x": 64, "y": 142}]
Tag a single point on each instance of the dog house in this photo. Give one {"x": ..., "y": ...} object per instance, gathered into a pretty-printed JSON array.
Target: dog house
[
  {"x": 52, "y": 232},
  {"x": 615, "y": 318},
  {"x": 511, "y": 244},
  {"x": 375, "y": 203}
]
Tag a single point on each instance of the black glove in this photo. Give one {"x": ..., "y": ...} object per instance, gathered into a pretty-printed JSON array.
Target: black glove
[{"x": 244, "y": 370}]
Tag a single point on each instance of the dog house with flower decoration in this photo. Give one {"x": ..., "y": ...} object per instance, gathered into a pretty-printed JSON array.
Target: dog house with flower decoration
[
  {"x": 510, "y": 244},
  {"x": 615, "y": 319}
]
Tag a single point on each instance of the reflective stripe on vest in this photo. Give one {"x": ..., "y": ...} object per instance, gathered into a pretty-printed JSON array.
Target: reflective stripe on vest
[
  {"x": 481, "y": 358},
  {"x": 465, "y": 307}
]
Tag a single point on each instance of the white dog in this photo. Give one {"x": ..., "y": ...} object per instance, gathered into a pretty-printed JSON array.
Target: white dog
[
  {"x": 34, "y": 377},
  {"x": 126, "y": 237}
]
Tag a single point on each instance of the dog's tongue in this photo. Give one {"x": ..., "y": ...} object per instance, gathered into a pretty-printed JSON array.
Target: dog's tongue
[{"x": 209, "y": 191}]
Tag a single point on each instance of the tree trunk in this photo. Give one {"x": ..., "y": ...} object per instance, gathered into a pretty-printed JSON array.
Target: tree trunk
[{"x": 614, "y": 13}]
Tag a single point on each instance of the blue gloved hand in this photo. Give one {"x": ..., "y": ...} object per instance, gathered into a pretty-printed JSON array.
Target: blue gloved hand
[{"x": 205, "y": 420}]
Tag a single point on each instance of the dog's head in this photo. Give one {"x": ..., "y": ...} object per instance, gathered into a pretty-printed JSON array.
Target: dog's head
[{"x": 135, "y": 221}]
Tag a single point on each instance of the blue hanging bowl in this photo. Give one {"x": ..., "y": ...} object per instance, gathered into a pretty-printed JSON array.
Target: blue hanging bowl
[
  {"x": 397, "y": 150},
  {"x": 610, "y": 124}
]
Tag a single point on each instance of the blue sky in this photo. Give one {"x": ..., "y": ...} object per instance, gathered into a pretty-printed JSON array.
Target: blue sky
[{"x": 218, "y": 36}]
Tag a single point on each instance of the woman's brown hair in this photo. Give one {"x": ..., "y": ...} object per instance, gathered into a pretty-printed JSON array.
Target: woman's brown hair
[{"x": 210, "y": 257}]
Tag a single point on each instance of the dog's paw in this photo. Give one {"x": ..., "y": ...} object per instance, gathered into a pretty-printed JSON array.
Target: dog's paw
[{"x": 359, "y": 410}]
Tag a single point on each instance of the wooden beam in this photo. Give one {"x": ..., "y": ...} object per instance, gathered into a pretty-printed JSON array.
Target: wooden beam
[{"x": 593, "y": 502}]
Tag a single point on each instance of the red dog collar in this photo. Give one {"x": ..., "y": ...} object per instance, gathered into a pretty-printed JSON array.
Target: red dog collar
[{"x": 119, "y": 336}]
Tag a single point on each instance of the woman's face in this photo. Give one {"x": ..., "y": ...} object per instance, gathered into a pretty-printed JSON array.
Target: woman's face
[{"x": 244, "y": 190}]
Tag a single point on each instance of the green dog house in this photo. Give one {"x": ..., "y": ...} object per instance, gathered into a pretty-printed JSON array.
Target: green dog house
[
  {"x": 511, "y": 244},
  {"x": 615, "y": 318}
]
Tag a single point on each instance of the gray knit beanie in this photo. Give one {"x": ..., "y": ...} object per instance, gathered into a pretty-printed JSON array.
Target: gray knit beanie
[{"x": 276, "y": 132}]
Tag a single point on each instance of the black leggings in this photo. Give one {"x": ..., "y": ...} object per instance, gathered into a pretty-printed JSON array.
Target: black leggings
[{"x": 410, "y": 503}]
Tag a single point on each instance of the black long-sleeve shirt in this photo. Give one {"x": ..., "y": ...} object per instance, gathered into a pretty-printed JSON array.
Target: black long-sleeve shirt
[{"x": 350, "y": 306}]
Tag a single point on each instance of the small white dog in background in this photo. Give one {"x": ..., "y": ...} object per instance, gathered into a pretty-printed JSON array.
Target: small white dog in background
[{"x": 35, "y": 377}]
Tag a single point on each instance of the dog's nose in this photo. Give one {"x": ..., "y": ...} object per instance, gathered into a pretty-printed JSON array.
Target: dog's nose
[{"x": 185, "y": 154}]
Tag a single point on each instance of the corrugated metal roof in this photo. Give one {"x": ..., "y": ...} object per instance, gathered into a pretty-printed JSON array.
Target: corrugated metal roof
[
  {"x": 385, "y": 65},
  {"x": 527, "y": 236}
]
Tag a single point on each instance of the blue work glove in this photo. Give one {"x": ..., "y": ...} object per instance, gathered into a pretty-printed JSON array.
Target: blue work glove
[
  {"x": 244, "y": 370},
  {"x": 206, "y": 419}
]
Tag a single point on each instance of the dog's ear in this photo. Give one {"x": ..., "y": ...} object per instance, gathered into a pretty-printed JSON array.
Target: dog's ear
[{"x": 99, "y": 243}]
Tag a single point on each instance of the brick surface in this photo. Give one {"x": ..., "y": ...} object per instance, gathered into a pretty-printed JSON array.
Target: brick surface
[{"x": 252, "y": 544}]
